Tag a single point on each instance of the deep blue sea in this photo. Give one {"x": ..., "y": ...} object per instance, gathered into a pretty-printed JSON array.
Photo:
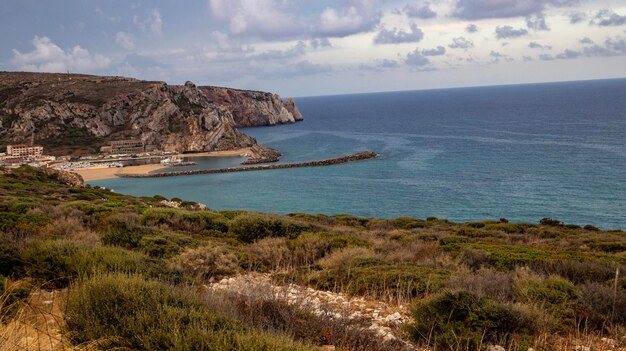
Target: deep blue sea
[{"x": 521, "y": 152}]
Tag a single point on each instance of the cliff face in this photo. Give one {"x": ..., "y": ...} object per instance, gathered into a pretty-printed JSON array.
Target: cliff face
[
  {"x": 254, "y": 108},
  {"x": 77, "y": 114}
]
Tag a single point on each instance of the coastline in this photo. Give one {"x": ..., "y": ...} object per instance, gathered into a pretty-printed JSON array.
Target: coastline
[{"x": 101, "y": 173}]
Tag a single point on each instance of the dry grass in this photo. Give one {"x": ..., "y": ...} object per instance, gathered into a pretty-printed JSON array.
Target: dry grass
[{"x": 38, "y": 324}]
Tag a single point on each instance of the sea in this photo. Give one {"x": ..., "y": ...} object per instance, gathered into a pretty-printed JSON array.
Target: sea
[{"x": 520, "y": 152}]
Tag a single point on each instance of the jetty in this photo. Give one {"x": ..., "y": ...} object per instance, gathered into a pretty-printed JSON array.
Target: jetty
[{"x": 328, "y": 162}]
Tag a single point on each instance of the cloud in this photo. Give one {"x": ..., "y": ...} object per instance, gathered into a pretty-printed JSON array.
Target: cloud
[
  {"x": 586, "y": 40},
  {"x": 416, "y": 58},
  {"x": 481, "y": 9},
  {"x": 358, "y": 17},
  {"x": 277, "y": 19},
  {"x": 471, "y": 28},
  {"x": 568, "y": 55},
  {"x": 612, "y": 47},
  {"x": 422, "y": 12},
  {"x": 320, "y": 43},
  {"x": 576, "y": 17},
  {"x": 438, "y": 51},
  {"x": 497, "y": 57},
  {"x": 49, "y": 57},
  {"x": 385, "y": 63},
  {"x": 153, "y": 22},
  {"x": 461, "y": 43},
  {"x": 617, "y": 44},
  {"x": 537, "y": 22},
  {"x": 300, "y": 68},
  {"x": 535, "y": 45},
  {"x": 396, "y": 36},
  {"x": 296, "y": 51},
  {"x": 607, "y": 18},
  {"x": 504, "y": 32},
  {"x": 125, "y": 40}
]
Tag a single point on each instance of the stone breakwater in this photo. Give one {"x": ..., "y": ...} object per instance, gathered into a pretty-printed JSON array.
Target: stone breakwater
[{"x": 328, "y": 162}]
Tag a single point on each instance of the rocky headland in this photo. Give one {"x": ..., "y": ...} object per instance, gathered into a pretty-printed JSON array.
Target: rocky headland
[{"x": 77, "y": 114}]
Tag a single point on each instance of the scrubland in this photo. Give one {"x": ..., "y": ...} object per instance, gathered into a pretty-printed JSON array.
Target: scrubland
[{"x": 132, "y": 273}]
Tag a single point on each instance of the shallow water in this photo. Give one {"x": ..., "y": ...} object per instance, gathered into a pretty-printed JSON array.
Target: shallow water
[{"x": 521, "y": 152}]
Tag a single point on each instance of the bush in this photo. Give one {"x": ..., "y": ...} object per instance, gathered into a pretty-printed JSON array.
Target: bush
[
  {"x": 271, "y": 253},
  {"x": 462, "y": 320},
  {"x": 251, "y": 227},
  {"x": 56, "y": 262},
  {"x": 10, "y": 261},
  {"x": 308, "y": 248},
  {"x": 551, "y": 222},
  {"x": 124, "y": 234},
  {"x": 357, "y": 271},
  {"x": 554, "y": 294},
  {"x": 133, "y": 313},
  {"x": 183, "y": 220},
  {"x": 599, "y": 301},
  {"x": 207, "y": 262},
  {"x": 485, "y": 282}
]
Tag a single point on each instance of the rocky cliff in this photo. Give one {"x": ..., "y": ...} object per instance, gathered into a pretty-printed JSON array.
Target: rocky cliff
[
  {"x": 70, "y": 113},
  {"x": 254, "y": 108}
]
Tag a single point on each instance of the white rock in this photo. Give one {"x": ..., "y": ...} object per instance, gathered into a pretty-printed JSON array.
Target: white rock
[{"x": 495, "y": 348}]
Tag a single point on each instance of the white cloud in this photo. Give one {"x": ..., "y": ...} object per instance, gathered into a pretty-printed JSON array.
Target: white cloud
[
  {"x": 395, "y": 36},
  {"x": 49, "y": 57},
  {"x": 152, "y": 23},
  {"x": 278, "y": 19},
  {"x": 125, "y": 40},
  {"x": 256, "y": 17}
]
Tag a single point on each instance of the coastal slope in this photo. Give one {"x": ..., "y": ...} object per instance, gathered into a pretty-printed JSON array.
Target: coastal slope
[{"x": 77, "y": 114}]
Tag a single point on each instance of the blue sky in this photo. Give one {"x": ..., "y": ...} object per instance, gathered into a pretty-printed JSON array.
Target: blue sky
[{"x": 319, "y": 47}]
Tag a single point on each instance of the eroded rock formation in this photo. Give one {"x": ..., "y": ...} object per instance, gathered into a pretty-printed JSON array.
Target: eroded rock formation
[
  {"x": 70, "y": 113},
  {"x": 254, "y": 108}
]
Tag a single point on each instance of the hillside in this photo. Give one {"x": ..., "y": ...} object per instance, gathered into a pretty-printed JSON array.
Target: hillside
[
  {"x": 155, "y": 274},
  {"x": 71, "y": 113}
]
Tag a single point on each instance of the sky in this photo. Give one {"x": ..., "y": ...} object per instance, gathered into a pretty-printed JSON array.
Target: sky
[{"x": 319, "y": 47}]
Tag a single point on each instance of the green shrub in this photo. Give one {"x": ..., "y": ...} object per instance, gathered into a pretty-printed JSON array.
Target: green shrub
[
  {"x": 409, "y": 223},
  {"x": 10, "y": 261},
  {"x": 508, "y": 228},
  {"x": 56, "y": 262},
  {"x": 124, "y": 234},
  {"x": 461, "y": 320},
  {"x": 251, "y": 227},
  {"x": 147, "y": 315},
  {"x": 577, "y": 272},
  {"x": 554, "y": 294},
  {"x": 160, "y": 246},
  {"x": 551, "y": 222},
  {"x": 369, "y": 276},
  {"x": 49, "y": 261},
  {"x": 183, "y": 220}
]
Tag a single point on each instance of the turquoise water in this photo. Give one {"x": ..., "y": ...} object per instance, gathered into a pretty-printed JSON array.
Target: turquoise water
[{"x": 521, "y": 152}]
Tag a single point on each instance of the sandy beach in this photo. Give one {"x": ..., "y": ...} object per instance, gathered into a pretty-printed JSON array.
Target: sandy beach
[{"x": 99, "y": 173}]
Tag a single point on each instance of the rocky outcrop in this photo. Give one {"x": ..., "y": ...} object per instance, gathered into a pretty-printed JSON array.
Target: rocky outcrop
[
  {"x": 254, "y": 108},
  {"x": 69, "y": 113},
  {"x": 64, "y": 177}
]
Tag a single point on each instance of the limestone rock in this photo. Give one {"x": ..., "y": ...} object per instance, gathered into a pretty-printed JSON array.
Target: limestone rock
[
  {"x": 254, "y": 108},
  {"x": 76, "y": 114}
]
